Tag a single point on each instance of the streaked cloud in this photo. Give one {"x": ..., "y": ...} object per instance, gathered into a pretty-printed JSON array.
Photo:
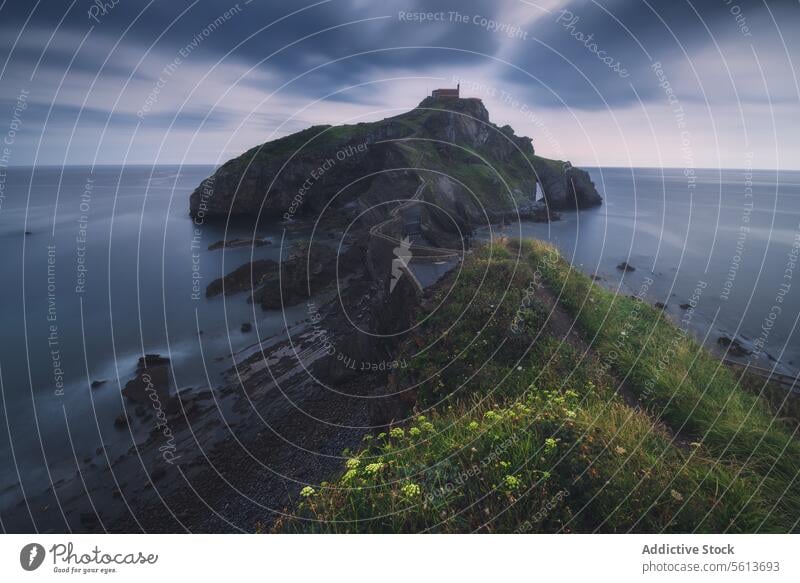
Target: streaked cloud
[{"x": 214, "y": 78}]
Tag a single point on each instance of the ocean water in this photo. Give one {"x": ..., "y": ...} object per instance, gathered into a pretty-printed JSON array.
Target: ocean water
[
  {"x": 110, "y": 267},
  {"x": 726, "y": 241},
  {"x": 109, "y": 271}
]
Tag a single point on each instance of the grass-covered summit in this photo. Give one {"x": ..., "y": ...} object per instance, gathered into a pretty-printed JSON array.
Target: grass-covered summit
[{"x": 552, "y": 405}]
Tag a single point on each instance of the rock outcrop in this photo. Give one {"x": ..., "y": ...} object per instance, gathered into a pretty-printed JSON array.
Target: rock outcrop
[
  {"x": 564, "y": 186},
  {"x": 231, "y": 243},
  {"x": 309, "y": 269},
  {"x": 246, "y": 277},
  {"x": 151, "y": 383}
]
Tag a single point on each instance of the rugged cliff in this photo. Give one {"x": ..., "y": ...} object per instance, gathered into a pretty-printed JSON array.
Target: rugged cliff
[
  {"x": 473, "y": 169},
  {"x": 565, "y": 186}
]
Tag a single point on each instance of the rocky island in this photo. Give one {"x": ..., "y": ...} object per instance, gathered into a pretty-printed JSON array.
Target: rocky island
[{"x": 476, "y": 171}]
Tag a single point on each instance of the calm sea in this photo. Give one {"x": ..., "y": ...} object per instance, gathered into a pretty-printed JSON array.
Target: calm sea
[
  {"x": 109, "y": 270},
  {"x": 725, "y": 241}
]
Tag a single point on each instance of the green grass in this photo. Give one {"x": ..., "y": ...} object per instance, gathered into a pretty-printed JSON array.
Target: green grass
[
  {"x": 489, "y": 181},
  {"x": 516, "y": 431},
  {"x": 555, "y": 165},
  {"x": 685, "y": 385}
]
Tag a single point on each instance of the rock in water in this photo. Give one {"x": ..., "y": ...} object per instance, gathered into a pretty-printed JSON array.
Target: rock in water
[
  {"x": 152, "y": 360},
  {"x": 246, "y": 277},
  {"x": 566, "y": 187},
  {"x": 151, "y": 383},
  {"x": 736, "y": 347},
  {"x": 238, "y": 243}
]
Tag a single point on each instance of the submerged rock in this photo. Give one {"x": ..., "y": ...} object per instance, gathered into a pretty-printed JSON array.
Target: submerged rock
[
  {"x": 735, "y": 346},
  {"x": 542, "y": 213},
  {"x": 537, "y": 212},
  {"x": 625, "y": 266}
]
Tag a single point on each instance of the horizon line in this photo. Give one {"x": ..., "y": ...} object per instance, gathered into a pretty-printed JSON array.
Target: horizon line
[{"x": 584, "y": 166}]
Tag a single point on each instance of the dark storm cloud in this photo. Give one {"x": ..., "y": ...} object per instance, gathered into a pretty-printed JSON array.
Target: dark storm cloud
[
  {"x": 298, "y": 37},
  {"x": 322, "y": 42},
  {"x": 565, "y": 48},
  {"x": 256, "y": 30},
  {"x": 113, "y": 60}
]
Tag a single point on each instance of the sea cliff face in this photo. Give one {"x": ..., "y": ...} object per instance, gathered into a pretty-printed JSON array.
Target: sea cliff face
[
  {"x": 474, "y": 169},
  {"x": 565, "y": 186}
]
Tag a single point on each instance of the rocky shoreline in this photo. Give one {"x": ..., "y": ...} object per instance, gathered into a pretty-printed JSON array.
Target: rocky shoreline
[
  {"x": 300, "y": 402},
  {"x": 232, "y": 457}
]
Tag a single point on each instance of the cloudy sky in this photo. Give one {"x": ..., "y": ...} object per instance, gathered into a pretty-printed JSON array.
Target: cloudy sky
[{"x": 708, "y": 83}]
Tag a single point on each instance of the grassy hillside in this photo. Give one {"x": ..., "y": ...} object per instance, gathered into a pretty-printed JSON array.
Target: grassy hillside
[{"x": 523, "y": 424}]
